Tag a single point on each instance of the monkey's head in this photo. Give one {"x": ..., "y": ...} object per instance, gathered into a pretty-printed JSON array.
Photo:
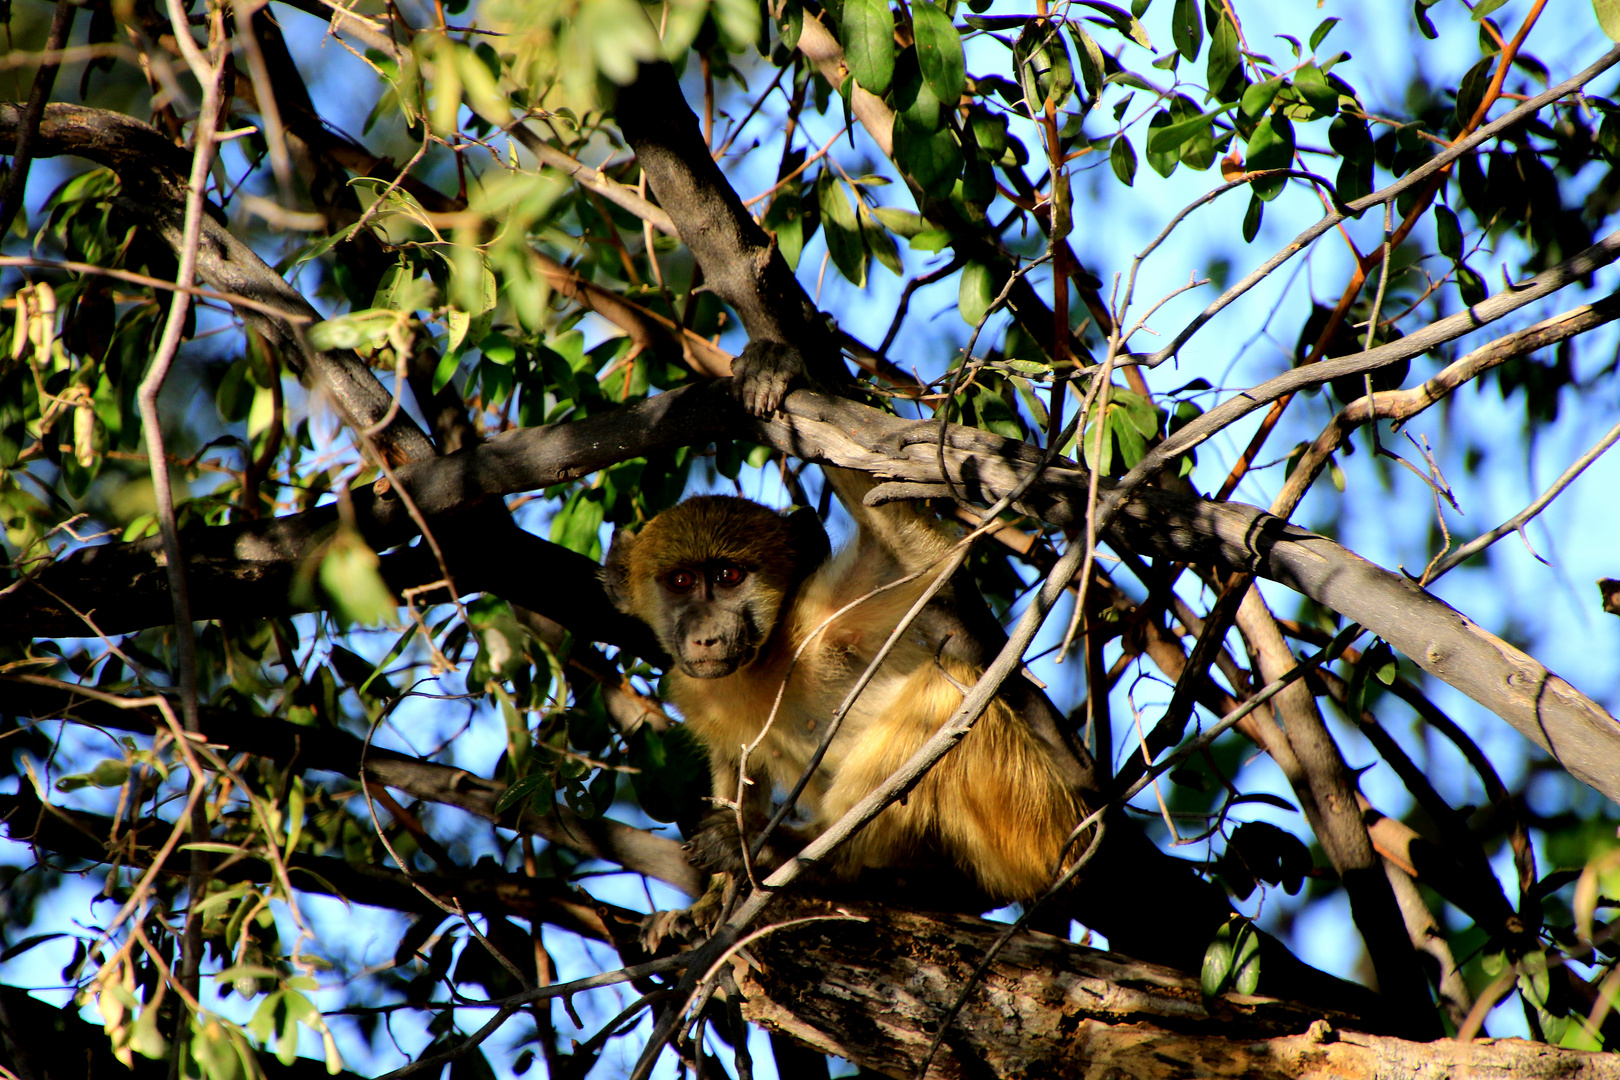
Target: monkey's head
[{"x": 711, "y": 575}]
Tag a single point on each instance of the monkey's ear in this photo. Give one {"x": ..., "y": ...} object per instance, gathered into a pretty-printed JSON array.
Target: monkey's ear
[
  {"x": 616, "y": 570},
  {"x": 811, "y": 547}
]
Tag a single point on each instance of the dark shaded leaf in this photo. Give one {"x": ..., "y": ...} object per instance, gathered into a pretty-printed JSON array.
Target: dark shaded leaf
[
  {"x": 1471, "y": 91},
  {"x": 1448, "y": 232},
  {"x": 1123, "y": 158}
]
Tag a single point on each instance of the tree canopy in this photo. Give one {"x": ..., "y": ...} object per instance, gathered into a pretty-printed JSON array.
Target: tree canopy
[{"x": 340, "y": 339}]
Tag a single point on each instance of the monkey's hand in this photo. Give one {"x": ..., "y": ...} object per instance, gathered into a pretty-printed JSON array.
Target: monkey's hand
[
  {"x": 718, "y": 847},
  {"x": 762, "y": 374},
  {"x": 665, "y": 932}
]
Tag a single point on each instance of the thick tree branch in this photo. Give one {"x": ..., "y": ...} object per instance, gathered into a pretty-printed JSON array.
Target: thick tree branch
[
  {"x": 872, "y": 992},
  {"x": 1578, "y": 732}
]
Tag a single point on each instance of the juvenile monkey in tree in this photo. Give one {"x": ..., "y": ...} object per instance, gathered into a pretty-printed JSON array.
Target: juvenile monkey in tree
[{"x": 739, "y": 594}]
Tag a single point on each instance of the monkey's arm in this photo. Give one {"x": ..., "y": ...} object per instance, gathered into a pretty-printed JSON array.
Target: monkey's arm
[
  {"x": 717, "y": 845},
  {"x": 911, "y": 537}
]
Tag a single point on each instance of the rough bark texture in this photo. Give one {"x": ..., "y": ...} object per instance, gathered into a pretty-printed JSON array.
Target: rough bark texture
[{"x": 874, "y": 991}]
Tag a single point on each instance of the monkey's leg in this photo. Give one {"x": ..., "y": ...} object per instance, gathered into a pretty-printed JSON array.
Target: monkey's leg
[{"x": 995, "y": 806}]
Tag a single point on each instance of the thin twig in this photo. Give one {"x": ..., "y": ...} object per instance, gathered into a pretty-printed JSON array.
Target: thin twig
[{"x": 1517, "y": 522}]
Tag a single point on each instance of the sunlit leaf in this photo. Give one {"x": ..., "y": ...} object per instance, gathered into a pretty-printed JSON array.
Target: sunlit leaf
[
  {"x": 1187, "y": 27},
  {"x": 868, "y": 36},
  {"x": 939, "y": 51}
]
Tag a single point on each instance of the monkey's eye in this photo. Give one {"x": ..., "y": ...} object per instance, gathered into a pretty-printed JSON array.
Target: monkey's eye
[
  {"x": 681, "y": 581},
  {"x": 729, "y": 577}
]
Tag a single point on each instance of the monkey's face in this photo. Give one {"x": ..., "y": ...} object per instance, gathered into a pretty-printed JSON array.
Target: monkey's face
[
  {"x": 716, "y": 615},
  {"x": 710, "y": 577}
]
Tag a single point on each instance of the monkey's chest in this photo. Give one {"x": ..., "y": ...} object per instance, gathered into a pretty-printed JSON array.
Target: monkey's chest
[{"x": 785, "y": 715}]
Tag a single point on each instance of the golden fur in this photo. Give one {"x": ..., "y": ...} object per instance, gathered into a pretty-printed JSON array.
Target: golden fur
[{"x": 995, "y": 807}]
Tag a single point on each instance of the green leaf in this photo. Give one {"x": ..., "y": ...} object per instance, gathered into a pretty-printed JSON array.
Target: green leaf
[
  {"x": 1167, "y": 139},
  {"x": 1187, "y": 28},
  {"x": 785, "y": 221},
  {"x": 933, "y": 161},
  {"x": 1448, "y": 232},
  {"x": 1257, "y": 99},
  {"x": 879, "y": 242},
  {"x": 1251, "y": 219},
  {"x": 1224, "y": 57},
  {"x": 1123, "y": 158},
  {"x": 349, "y": 575},
  {"x": 1348, "y": 135},
  {"x": 449, "y": 364},
  {"x": 904, "y": 223},
  {"x": 368, "y": 327},
  {"x": 1315, "y": 89},
  {"x": 931, "y": 240},
  {"x": 839, "y": 225},
  {"x": 975, "y": 290},
  {"x": 1042, "y": 61},
  {"x": 1354, "y": 181},
  {"x": 473, "y": 296},
  {"x": 1139, "y": 411},
  {"x": 914, "y": 99},
  {"x": 939, "y": 51},
  {"x": 738, "y": 21},
  {"x": 1471, "y": 91},
  {"x": 790, "y": 25},
  {"x": 1322, "y": 30},
  {"x": 990, "y": 133},
  {"x": 1608, "y": 17},
  {"x": 869, "y": 43},
  {"x": 1425, "y": 27},
  {"x": 1271, "y": 147},
  {"x": 108, "y": 773},
  {"x": 1092, "y": 67},
  {"x": 1123, "y": 21},
  {"x": 1162, "y": 161},
  {"x": 1470, "y": 285},
  {"x": 1216, "y": 972},
  {"x": 1246, "y": 961},
  {"x": 1535, "y": 982},
  {"x": 1485, "y": 7},
  {"x": 1197, "y": 152},
  {"x": 673, "y": 772},
  {"x": 536, "y": 788}
]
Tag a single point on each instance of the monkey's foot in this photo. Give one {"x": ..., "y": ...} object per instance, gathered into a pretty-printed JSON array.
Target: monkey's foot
[{"x": 665, "y": 932}]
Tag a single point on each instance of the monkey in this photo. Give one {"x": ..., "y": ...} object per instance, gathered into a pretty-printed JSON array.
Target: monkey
[{"x": 738, "y": 594}]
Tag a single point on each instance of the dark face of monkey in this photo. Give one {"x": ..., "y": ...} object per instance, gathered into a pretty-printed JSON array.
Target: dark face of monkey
[{"x": 710, "y": 577}]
